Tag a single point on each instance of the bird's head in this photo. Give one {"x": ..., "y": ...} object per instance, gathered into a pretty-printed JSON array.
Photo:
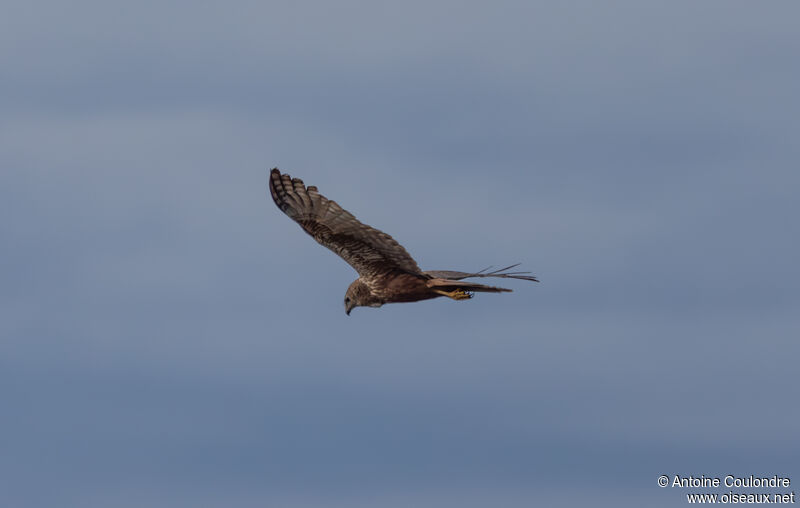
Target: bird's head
[{"x": 359, "y": 295}]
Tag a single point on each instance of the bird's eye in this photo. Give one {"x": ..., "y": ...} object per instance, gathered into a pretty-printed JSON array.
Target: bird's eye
[{"x": 347, "y": 300}]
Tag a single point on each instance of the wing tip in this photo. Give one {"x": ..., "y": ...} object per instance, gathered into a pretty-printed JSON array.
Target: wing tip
[{"x": 274, "y": 183}]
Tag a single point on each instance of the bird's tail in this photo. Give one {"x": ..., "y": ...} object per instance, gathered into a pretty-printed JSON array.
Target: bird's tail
[{"x": 460, "y": 290}]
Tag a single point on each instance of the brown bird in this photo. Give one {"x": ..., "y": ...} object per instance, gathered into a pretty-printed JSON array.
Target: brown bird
[{"x": 387, "y": 273}]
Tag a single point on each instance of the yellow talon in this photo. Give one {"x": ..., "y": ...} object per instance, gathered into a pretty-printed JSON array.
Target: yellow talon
[{"x": 456, "y": 294}]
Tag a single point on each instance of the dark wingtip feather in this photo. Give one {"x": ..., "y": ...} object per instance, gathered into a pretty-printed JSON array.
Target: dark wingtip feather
[
  {"x": 504, "y": 273},
  {"x": 274, "y": 179}
]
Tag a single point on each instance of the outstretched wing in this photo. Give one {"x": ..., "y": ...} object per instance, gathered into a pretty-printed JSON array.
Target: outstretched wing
[
  {"x": 501, "y": 273},
  {"x": 369, "y": 251}
]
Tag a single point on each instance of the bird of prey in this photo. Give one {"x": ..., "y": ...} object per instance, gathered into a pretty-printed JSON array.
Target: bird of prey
[{"x": 386, "y": 272}]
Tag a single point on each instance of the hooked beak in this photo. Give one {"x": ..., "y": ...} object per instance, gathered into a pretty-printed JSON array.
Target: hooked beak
[{"x": 347, "y": 311}]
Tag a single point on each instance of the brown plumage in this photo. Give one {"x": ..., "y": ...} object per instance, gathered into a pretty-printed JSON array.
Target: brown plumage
[{"x": 387, "y": 273}]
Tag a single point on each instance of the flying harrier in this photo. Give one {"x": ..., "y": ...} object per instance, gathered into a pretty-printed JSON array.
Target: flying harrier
[{"x": 386, "y": 272}]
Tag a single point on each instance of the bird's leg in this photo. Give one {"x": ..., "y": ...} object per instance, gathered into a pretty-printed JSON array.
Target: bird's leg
[{"x": 456, "y": 294}]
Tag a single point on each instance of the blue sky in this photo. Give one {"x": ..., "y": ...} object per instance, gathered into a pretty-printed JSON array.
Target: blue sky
[{"x": 169, "y": 338}]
